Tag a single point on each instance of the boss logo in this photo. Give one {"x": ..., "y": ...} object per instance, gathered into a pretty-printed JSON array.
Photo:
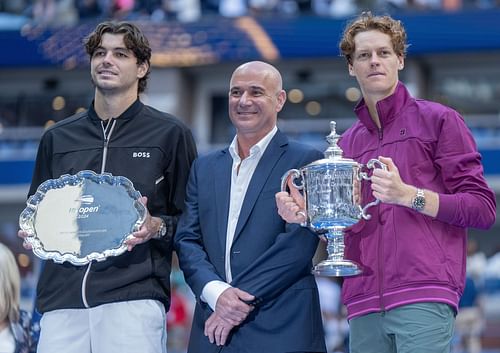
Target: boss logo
[{"x": 141, "y": 154}]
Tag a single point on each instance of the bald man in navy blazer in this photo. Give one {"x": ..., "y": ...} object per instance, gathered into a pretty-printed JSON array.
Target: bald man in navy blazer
[{"x": 249, "y": 270}]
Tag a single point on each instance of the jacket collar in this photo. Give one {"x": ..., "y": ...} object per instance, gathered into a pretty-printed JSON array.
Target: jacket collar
[
  {"x": 128, "y": 114},
  {"x": 222, "y": 187},
  {"x": 388, "y": 108}
]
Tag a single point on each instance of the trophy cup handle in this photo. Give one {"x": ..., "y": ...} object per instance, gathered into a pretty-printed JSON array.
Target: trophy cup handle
[
  {"x": 372, "y": 164},
  {"x": 295, "y": 174}
]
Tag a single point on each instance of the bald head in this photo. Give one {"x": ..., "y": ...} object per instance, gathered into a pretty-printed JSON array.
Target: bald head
[
  {"x": 256, "y": 97},
  {"x": 270, "y": 74}
]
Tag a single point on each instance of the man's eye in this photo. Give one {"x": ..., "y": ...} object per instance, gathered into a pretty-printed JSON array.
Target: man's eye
[
  {"x": 235, "y": 94},
  {"x": 362, "y": 55}
]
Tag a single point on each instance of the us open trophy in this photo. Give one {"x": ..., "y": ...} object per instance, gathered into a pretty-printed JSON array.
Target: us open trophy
[{"x": 332, "y": 192}]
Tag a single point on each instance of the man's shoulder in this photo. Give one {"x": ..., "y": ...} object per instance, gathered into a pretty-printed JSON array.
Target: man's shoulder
[
  {"x": 300, "y": 149},
  {"x": 163, "y": 119},
  {"x": 67, "y": 123},
  {"x": 212, "y": 155},
  {"x": 301, "y": 146},
  {"x": 431, "y": 110}
]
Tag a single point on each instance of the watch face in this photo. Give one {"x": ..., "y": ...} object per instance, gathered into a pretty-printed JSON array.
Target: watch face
[
  {"x": 419, "y": 203},
  {"x": 163, "y": 230}
]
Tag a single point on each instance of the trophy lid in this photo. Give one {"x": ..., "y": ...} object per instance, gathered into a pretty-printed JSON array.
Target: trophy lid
[
  {"x": 334, "y": 154},
  {"x": 333, "y": 151}
]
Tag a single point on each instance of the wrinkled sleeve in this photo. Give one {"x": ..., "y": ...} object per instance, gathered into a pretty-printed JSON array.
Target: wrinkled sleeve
[
  {"x": 184, "y": 153},
  {"x": 468, "y": 201}
]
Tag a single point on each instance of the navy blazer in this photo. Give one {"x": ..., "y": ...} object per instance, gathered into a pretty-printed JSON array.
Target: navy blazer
[{"x": 269, "y": 258}]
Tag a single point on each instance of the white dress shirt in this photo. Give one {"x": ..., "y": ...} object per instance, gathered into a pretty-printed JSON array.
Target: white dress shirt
[{"x": 241, "y": 174}]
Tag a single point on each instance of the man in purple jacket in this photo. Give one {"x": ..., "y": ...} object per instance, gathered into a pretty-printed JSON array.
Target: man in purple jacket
[{"x": 413, "y": 249}]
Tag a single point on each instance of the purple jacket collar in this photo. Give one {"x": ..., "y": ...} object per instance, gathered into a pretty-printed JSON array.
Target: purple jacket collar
[{"x": 388, "y": 108}]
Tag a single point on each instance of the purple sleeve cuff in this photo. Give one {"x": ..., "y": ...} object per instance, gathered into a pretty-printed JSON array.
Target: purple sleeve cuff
[{"x": 447, "y": 208}]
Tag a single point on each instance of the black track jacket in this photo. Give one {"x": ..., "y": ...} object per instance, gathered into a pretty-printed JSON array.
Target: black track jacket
[{"x": 152, "y": 149}]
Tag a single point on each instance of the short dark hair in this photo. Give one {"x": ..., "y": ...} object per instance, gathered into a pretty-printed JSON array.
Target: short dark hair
[
  {"x": 367, "y": 22},
  {"x": 133, "y": 38}
]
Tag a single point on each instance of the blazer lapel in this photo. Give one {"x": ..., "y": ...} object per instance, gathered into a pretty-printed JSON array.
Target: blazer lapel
[
  {"x": 260, "y": 177},
  {"x": 222, "y": 188}
]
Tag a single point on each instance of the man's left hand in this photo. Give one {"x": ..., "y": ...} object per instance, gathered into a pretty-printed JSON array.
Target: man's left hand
[
  {"x": 388, "y": 186},
  {"x": 148, "y": 230}
]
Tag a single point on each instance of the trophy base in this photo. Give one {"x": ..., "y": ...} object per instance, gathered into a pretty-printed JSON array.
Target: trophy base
[{"x": 338, "y": 268}]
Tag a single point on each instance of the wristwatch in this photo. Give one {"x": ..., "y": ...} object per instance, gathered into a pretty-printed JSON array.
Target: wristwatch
[
  {"x": 162, "y": 230},
  {"x": 418, "y": 202}
]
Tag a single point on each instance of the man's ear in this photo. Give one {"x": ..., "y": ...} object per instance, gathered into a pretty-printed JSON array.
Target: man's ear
[
  {"x": 142, "y": 70},
  {"x": 281, "y": 100},
  {"x": 351, "y": 69}
]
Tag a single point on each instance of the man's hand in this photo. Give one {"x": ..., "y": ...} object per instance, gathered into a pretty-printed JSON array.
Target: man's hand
[
  {"x": 230, "y": 311},
  {"x": 22, "y": 234},
  {"x": 291, "y": 206},
  {"x": 217, "y": 329},
  {"x": 148, "y": 230},
  {"x": 231, "y": 306},
  {"x": 387, "y": 185}
]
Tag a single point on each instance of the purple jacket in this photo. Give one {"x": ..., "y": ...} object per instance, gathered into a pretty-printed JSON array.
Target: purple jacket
[{"x": 408, "y": 257}]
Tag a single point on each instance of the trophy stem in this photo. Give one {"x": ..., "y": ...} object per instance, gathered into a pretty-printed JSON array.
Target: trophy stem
[
  {"x": 335, "y": 246},
  {"x": 335, "y": 265}
]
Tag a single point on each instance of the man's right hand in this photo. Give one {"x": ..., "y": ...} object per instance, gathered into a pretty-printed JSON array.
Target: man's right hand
[
  {"x": 232, "y": 307},
  {"x": 217, "y": 329},
  {"x": 291, "y": 206}
]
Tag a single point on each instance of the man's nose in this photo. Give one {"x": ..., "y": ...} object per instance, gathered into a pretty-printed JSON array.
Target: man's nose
[
  {"x": 108, "y": 58},
  {"x": 245, "y": 99},
  {"x": 374, "y": 59}
]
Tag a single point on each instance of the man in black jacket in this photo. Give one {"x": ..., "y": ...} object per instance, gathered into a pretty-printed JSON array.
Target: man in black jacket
[{"x": 118, "y": 304}]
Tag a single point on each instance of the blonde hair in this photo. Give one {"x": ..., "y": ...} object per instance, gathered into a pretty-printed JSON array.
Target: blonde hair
[{"x": 10, "y": 286}]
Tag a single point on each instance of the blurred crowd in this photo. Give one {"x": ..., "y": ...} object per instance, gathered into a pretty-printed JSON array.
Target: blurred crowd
[
  {"x": 478, "y": 320},
  {"x": 57, "y": 13}
]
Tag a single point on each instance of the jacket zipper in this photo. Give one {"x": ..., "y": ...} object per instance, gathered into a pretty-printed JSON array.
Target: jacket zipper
[
  {"x": 107, "y": 135},
  {"x": 380, "y": 243}
]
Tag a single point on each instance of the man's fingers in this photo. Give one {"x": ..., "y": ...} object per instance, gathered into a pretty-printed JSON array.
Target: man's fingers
[
  {"x": 133, "y": 241},
  {"x": 245, "y": 296},
  {"x": 23, "y": 235},
  {"x": 218, "y": 335},
  {"x": 217, "y": 329},
  {"x": 224, "y": 334},
  {"x": 298, "y": 198},
  {"x": 209, "y": 328},
  {"x": 387, "y": 161},
  {"x": 291, "y": 207},
  {"x": 144, "y": 200}
]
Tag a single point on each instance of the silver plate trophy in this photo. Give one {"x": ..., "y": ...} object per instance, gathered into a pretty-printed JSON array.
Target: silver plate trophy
[
  {"x": 83, "y": 217},
  {"x": 332, "y": 192}
]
